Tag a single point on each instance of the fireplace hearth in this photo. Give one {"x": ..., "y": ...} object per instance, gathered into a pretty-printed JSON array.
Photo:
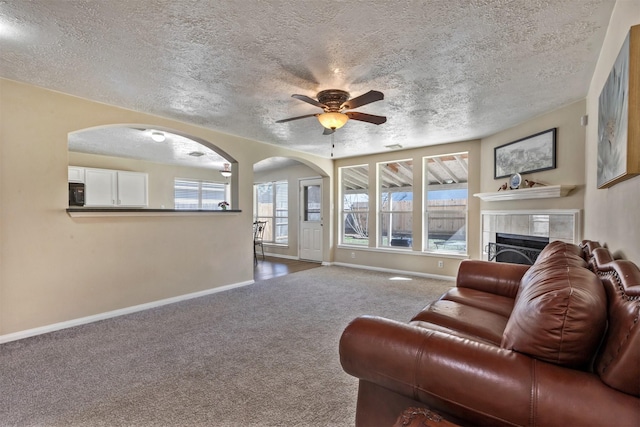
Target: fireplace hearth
[{"x": 515, "y": 248}]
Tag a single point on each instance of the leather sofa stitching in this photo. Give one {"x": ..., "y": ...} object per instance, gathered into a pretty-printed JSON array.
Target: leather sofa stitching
[
  {"x": 534, "y": 394},
  {"x": 564, "y": 319},
  {"x": 626, "y": 297},
  {"x": 454, "y": 402},
  {"x": 418, "y": 359}
]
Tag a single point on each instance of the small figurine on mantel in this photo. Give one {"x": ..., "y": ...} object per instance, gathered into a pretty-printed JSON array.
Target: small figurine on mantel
[
  {"x": 527, "y": 183},
  {"x": 516, "y": 181}
]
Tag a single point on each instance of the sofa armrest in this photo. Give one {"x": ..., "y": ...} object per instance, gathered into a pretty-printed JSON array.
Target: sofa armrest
[
  {"x": 476, "y": 381},
  {"x": 498, "y": 278}
]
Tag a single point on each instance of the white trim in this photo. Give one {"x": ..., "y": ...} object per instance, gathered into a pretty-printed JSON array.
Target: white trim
[
  {"x": 408, "y": 251},
  {"x": 275, "y": 255},
  {"x": 115, "y": 313},
  {"x": 545, "y": 192},
  {"x": 391, "y": 270},
  {"x": 531, "y": 211}
]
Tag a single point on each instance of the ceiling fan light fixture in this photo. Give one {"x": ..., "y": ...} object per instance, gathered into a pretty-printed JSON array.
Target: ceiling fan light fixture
[
  {"x": 226, "y": 172},
  {"x": 333, "y": 121},
  {"x": 158, "y": 136}
]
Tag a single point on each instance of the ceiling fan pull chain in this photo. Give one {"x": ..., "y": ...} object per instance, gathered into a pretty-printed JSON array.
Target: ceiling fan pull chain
[{"x": 333, "y": 145}]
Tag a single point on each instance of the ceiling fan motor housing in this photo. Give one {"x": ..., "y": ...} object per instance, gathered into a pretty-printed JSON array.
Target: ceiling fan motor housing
[{"x": 333, "y": 99}]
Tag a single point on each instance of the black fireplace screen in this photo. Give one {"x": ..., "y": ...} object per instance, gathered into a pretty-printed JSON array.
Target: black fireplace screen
[{"x": 516, "y": 248}]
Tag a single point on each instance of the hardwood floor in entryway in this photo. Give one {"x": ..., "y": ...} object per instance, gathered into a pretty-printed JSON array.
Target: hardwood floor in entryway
[{"x": 274, "y": 267}]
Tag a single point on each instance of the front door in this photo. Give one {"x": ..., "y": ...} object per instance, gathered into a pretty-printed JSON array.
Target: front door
[{"x": 311, "y": 220}]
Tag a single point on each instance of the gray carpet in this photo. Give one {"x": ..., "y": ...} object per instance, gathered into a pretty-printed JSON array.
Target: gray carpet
[{"x": 261, "y": 355}]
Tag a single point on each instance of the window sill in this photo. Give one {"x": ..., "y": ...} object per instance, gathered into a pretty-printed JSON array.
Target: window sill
[
  {"x": 405, "y": 251},
  {"x": 276, "y": 245}
]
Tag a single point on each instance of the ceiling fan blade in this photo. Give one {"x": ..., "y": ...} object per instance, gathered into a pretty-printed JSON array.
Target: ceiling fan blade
[
  {"x": 296, "y": 118},
  {"x": 328, "y": 131},
  {"x": 369, "y": 118},
  {"x": 311, "y": 101},
  {"x": 367, "y": 98}
]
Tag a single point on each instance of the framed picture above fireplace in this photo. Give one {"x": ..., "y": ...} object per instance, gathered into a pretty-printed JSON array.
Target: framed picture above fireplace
[
  {"x": 618, "y": 111},
  {"x": 534, "y": 153}
]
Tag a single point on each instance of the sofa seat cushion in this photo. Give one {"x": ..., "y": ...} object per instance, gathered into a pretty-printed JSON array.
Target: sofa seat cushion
[
  {"x": 439, "y": 328},
  {"x": 559, "y": 315},
  {"x": 491, "y": 302},
  {"x": 465, "y": 318}
]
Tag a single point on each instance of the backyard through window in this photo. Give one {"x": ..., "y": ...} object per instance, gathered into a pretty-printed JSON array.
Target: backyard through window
[
  {"x": 354, "y": 183},
  {"x": 396, "y": 204},
  {"x": 446, "y": 203},
  {"x": 272, "y": 205}
]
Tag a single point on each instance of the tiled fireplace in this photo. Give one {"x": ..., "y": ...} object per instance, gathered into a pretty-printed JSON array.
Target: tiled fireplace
[{"x": 561, "y": 225}]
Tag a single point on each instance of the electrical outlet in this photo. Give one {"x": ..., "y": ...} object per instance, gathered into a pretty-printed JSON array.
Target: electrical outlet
[
  {"x": 353, "y": 254},
  {"x": 440, "y": 264}
]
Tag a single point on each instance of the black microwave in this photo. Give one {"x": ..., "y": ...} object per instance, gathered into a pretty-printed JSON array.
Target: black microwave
[{"x": 76, "y": 194}]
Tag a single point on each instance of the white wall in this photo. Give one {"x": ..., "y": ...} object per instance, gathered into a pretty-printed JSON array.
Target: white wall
[{"x": 612, "y": 215}]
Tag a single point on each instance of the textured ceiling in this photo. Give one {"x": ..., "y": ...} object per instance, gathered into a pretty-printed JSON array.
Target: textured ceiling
[{"x": 450, "y": 70}]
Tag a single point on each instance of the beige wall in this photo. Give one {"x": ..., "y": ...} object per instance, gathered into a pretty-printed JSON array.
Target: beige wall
[
  {"x": 54, "y": 268},
  {"x": 569, "y": 160},
  {"x": 415, "y": 261},
  {"x": 611, "y": 214}
]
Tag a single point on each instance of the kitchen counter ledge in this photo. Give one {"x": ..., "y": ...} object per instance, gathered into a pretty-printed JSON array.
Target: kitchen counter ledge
[{"x": 111, "y": 212}]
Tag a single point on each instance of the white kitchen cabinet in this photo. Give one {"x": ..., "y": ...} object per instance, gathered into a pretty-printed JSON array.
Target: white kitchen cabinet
[
  {"x": 132, "y": 189},
  {"x": 100, "y": 187},
  {"x": 76, "y": 174},
  {"x": 111, "y": 188}
]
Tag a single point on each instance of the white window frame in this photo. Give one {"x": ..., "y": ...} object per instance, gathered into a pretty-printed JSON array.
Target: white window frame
[{"x": 199, "y": 182}]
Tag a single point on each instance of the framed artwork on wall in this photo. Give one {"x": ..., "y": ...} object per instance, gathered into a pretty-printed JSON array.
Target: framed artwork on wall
[
  {"x": 619, "y": 116},
  {"x": 534, "y": 153}
]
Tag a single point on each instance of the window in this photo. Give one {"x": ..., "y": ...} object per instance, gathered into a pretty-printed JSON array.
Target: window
[
  {"x": 446, "y": 203},
  {"x": 312, "y": 203},
  {"x": 197, "y": 194},
  {"x": 272, "y": 205},
  {"x": 354, "y": 185},
  {"x": 395, "y": 180}
]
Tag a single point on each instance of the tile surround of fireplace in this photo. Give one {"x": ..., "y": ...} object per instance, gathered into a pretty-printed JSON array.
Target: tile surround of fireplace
[{"x": 563, "y": 225}]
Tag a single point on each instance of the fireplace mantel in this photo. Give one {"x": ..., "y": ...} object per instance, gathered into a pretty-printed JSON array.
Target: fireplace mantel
[{"x": 545, "y": 192}]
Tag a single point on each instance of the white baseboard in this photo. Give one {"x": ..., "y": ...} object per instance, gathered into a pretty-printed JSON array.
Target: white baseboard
[
  {"x": 390, "y": 270},
  {"x": 275, "y": 255},
  {"x": 115, "y": 313}
]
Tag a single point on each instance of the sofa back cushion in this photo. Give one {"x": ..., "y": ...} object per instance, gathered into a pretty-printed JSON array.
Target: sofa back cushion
[
  {"x": 563, "y": 253},
  {"x": 560, "y": 311}
]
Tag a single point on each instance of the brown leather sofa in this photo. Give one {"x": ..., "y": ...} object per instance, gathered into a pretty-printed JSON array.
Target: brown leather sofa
[{"x": 553, "y": 344}]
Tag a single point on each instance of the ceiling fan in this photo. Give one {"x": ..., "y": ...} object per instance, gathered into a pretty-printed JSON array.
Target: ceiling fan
[{"x": 335, "y": 102}]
